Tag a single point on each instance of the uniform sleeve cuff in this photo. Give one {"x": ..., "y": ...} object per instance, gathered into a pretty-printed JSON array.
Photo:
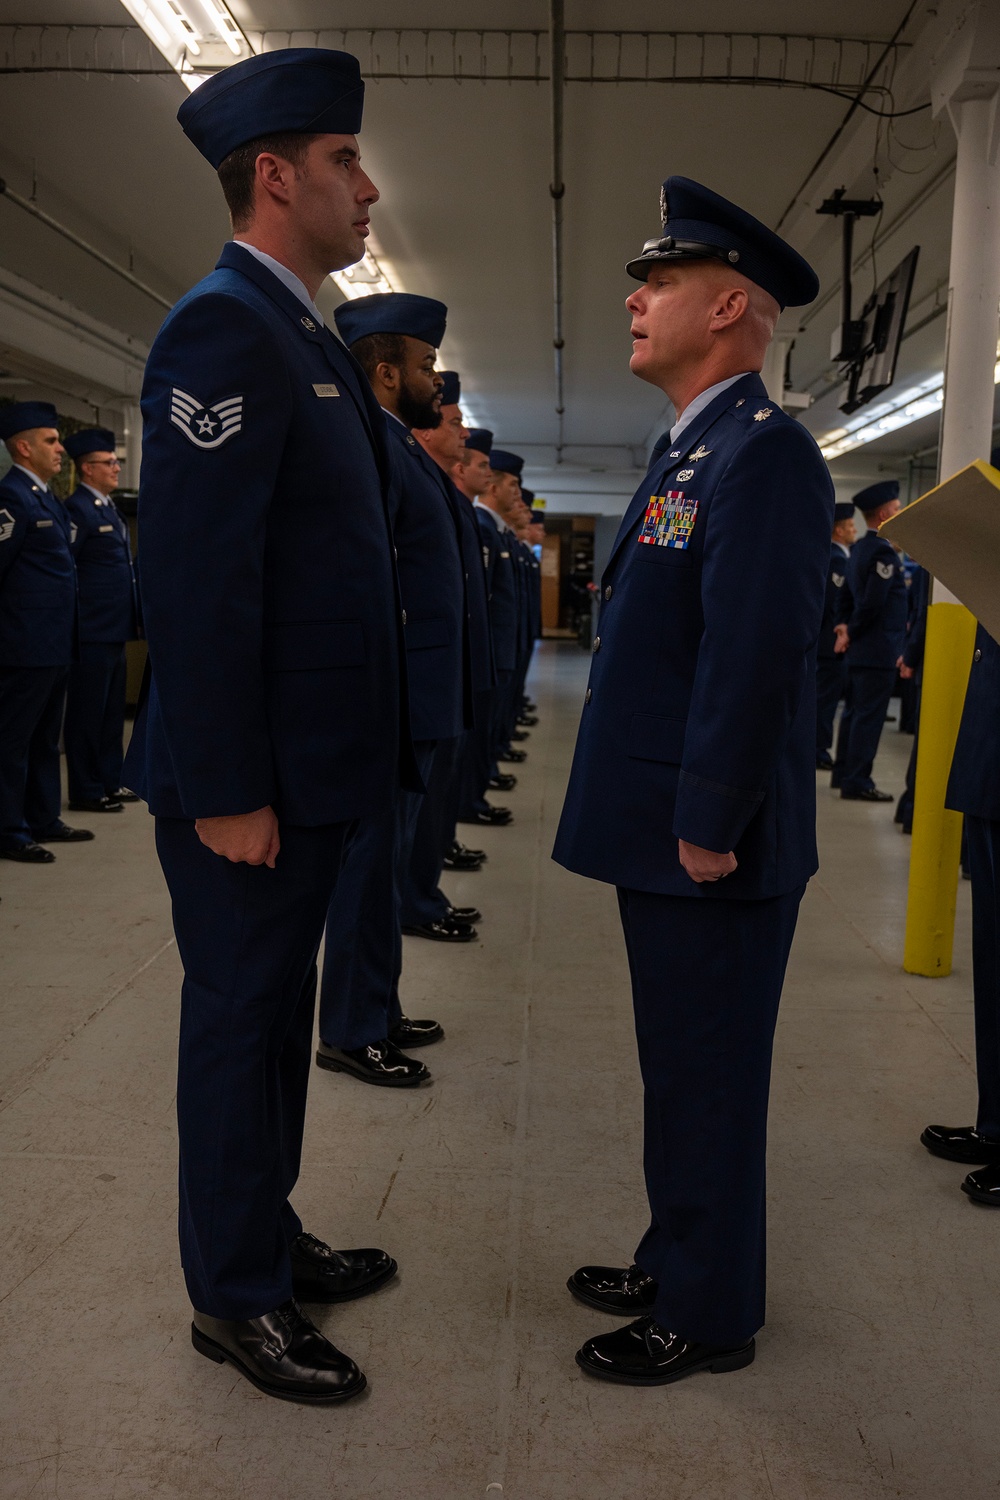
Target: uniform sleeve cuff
[{"x": 711, "y": 815}]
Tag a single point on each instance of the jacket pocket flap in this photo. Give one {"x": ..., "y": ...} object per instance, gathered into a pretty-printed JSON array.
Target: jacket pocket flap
[
  {"x": 314, "y": 645},
  {"x": 422, "y": 634},
  {"x": 653, "y": 738}
]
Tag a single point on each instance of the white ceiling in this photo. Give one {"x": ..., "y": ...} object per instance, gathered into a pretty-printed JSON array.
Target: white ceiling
[{"x": 464, "y": 170}]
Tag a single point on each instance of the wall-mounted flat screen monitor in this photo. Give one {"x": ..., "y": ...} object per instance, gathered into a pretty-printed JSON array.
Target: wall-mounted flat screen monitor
[{"x": 883, "y": 318}]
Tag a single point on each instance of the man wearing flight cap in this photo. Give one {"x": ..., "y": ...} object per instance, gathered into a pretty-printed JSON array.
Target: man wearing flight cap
[
  {"x": 831, "y": 676},
  {"x": 37, "y": 635},
  {"x": 498, "y": 508},
  {"x": 272, "y": 716},
  {"x": 693, "y": 786},
  {"x": 95, "y": 698}
]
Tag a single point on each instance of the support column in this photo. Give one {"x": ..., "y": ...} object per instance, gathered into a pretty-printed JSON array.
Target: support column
[
  {"x": 132, "y": 423},
  {"x": 969, "y": 92}
]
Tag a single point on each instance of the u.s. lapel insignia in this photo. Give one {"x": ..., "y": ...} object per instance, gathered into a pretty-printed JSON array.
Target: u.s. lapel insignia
[
  {"x": 676, "y": 455},
  {"x": 763, "y": 414},
  {"x": 701, "y": 452},
  {"x": 308, "y": 325},
  {"x": 206, "y": 426}
]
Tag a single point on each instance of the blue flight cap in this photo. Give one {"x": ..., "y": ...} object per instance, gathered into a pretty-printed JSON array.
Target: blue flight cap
[
  {"x": 91, "y": 440},
  {"x": 451, "y": 391},
  {"x": 876, "y": 495},
  {"x": 527, "y": 496},
  {"x": 843, "y": 511},
  {"x": 700, "y": 225},
  {"x": 392, "y": 312},
  {"x": 305, "y": 90},
  {"x": 21, "y": 416},
  {"x": 481, "y": 439},
  {"x": 506, "y": 463}
]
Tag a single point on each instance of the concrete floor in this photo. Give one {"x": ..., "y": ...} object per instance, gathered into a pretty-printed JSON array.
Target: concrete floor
[{"x": 876, "y": 1375}]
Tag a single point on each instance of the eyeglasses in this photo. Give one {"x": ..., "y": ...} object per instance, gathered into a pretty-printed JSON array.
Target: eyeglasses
[{"x": 113, "y": 463}]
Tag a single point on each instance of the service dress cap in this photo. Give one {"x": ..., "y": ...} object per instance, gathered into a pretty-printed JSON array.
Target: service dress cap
[
  {"x": 700, "y": 225},
  {"x": 876, "y": 495},
  {"x": 481, "y": 439},
  {"x": 843, "y": 511},
  {"x": 305, "y": 90},
  {"x": 451, "y": 391},
  {"x": 21, "y": 416},
  {"x": 506, "y": 463},
  {"x": 392, "y": 312},
  {"x": 90, "y": 440}
]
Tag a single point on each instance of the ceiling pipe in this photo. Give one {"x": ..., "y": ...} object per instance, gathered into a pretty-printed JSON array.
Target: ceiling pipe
[
  {"x": 74, "y": 239},
  {"x": 557, "y": 190}
]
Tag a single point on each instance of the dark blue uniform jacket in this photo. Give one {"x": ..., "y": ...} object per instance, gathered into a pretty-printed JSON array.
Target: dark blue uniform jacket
[
  {"x": 877, "y": 625},
  {"x": 483, "y": 672},
  {"x": 836, "y": 583},
  {"x": 37, "y": 576},
  {"x": 501, "y": 587},
  {"x": 974, "y": 784},
  {"x": 433, "y": 589},
  {"x": 270, "y": 600},
  {"x": 700, "y": 718},
  {"x": 106, "y": 578}
]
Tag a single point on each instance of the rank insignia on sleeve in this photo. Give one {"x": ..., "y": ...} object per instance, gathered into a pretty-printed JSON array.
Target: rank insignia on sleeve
[
  {"x": 763, "y": 414},
  {"x": 6, "y": 525},
  {"x": 885, "y": 569},
  {"x": 839, "y": 580},
  {"x": 206, "y": 426},
  {"x": 669, "y": 520}
]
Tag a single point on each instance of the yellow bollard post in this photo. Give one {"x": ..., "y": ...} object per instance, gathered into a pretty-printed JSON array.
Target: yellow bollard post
[{"x": 937, "y": 833}]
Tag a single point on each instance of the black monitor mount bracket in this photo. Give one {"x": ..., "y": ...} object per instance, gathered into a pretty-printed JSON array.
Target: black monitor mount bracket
[{"x": 847, "y": 346}]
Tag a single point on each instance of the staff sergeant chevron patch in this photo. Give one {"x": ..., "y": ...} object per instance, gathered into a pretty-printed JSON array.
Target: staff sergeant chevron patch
[{"x": 206, "y": 426}]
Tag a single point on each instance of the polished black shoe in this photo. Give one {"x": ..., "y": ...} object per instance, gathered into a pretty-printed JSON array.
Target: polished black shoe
[
  {"x": 462, "y": 863},
  {"x": 479, "y": 854},
  {"x": 528, "y": 720},
  {"x": 489, "y": 817},
  {"x": 824, "y": 763},
  {"x": 630, "y": 1292},
  {"x": 28, "y": 854},
  {"x": 518, "y": 736},
  {"x": 984, "y": 1186},
  {"x": 867, "y": 794},
  {"x": 445, "y": 931},
  {"x": 514, "y": 757},
  {"x": 63, "y": 834},
  {"x": 470, "y": 914},
  {"x": 320, "y": 1274},
  {"x": 961, "y": 1143},
  {"x": 122, "y": 794},
  {"x": 281, "y": 1353},
  {"x": 380, "y": 1063},
  {"x": 643, "y": 1353},
  {"x": 407, "y": 1033},
  {"x": 502, "y": 782},
  {"x": 97, "y": 805}
]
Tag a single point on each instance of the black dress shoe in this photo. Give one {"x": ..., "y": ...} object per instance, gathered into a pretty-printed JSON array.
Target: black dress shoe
[
  {"x": 643, "y": 1353},
  {"x": 489, "y": 817},
  {"x": 122, "y": 794},
  {"x": 984, "y": 1186},
  {"x": 28, "y": 854},
  {"x": 479, "y": 854},
  {"x": 824, "y": 763},
  {"x": 517, "y": 736},
  {"x": 462, "y": 863},
  {"x": 961, "y": 1143},
  {"x": 528, "y": 720},
  {"x": 97, "y": 805},
  {"x": 867, "y": 794},
  {"x": 407, "y": 1033},
  {"x": 62, "y": 834},
  {"x": 281, "y": 1353},
  {"x": 445, "y": 931},
  {"x": 613, "y": 1290},
  {"x": 515, "y": 757},
  {"x": 381, "y": 1063},
  {"x": 503, "y": 781},
  {"x": 320, "y": 1274},
  {"x": 468, "y": 914}
]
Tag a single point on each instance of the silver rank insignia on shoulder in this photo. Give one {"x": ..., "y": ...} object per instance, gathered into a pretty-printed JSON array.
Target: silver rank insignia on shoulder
[
  {"x": 701, "y": 452},
  {"x": 683, "y": 474},
  {"x": 308, "y": 325},
  {"x": 206, "y": 426},
  {"x": 885, "y": 570},
  {"x": 763, "y": 414},
  {"x": 326, "y": 390},
  {"x": 6, "y": 525}
]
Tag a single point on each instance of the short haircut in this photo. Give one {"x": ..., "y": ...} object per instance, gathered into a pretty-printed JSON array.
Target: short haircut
[
  {"x": 379, "y": 348},
  {"x": 237, "y": 173}
]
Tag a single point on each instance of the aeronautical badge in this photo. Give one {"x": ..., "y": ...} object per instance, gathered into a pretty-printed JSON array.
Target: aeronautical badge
[
  {"x": 6, "y": 525},
  {"x": 701, "y": 452},
  {"x": 669, "y": 521},
  {"x": 763, "y": 414},
  {"x": 885, "y": 570},
  {"x": 206, "y": 426}
]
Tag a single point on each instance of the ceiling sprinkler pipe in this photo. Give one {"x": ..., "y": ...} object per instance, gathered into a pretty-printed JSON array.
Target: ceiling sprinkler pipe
[{"x": 557, "y": 190}]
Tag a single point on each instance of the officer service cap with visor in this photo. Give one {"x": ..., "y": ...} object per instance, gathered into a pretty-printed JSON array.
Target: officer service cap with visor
[
  {"x": 392, "y": 313},
  {"x": 701, "y": 225}
]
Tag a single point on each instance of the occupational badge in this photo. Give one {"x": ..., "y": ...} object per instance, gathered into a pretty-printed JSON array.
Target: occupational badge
[
  {"x": 206, "y": 426},
  {"x": 669, "y": 521},
  {"x": 685, "y": 474}
]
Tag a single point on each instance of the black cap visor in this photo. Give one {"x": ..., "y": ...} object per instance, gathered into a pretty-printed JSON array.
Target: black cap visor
[{"x": 668, "y": 248}]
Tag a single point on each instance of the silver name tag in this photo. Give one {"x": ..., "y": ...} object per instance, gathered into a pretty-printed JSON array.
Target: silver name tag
[
  {"x": 326, "y": 390},
  {"x": 40, "y": 524},
  {"x": 105, "y": 528}
]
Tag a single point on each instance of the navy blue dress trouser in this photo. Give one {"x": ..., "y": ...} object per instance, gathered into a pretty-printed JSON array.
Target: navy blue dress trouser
[
  {"x": 831, "y": 684},
  {"x": 31, "y": 712},
  {"x": 706, "y": 981},
  {"x": 870, "y": 692},
  {"x": 984, "y": 864},
  {"x": 359, "y": 997},
  {"x": 248, "y": 938},
  {"x": 421, "y": 897},
  {"x": 95, "y": 721}
]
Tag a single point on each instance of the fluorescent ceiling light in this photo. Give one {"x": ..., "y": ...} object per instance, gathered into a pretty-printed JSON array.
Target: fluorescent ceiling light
[
  {"x": 363, "y": 279},
  {"x": 197, "y": 37},
  {"x": 888, "y": 416}
]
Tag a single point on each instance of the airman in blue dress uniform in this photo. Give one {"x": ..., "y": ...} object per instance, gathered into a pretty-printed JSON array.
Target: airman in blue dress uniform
[
  {"x": 831, "y": 673},
  {"x": 693, "y": 784},
  {"x": 873, "y": 638},
  {"x": 273, "y": 714},
  {"x": 109, "y": 616},
  {"x": 37, "y": 635}
]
